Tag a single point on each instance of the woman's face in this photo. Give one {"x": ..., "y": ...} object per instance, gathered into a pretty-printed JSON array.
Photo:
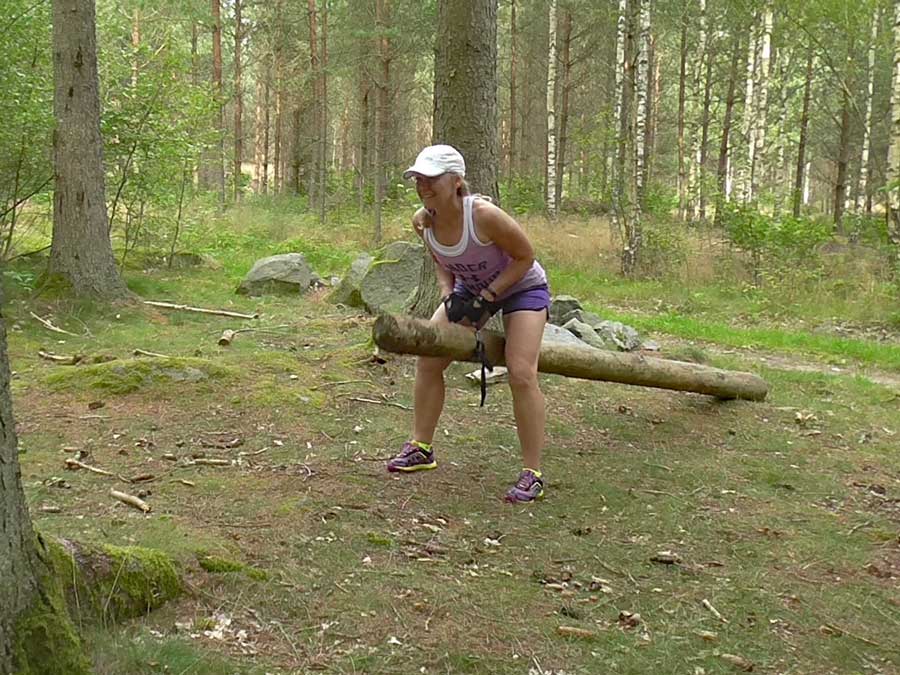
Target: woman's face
[{"x": 434, "y": 190}]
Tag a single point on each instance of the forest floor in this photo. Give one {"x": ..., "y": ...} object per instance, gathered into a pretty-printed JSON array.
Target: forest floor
[{"x": 678, "y": 534}]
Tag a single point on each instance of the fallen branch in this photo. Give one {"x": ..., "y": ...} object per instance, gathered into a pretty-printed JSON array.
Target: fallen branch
[
  {"x": 572, "y": 631},
  {"x": 141, "y": 352},
  {"x": 228, "y": 335},
  {"x": 131, "y": 500},
  {"x": 371, "y": 400},
  {"x": 59, "y": 358},
  {"x": 706, "y": 603},
  {"x": 206, "y": 461},
  {"x": 50, "y": 326},
  {"x": 186, "y": 308},
  {"x": 74, "y": 465}
]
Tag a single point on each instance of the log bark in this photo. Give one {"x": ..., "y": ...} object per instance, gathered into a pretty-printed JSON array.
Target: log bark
[{"x": 406, "y": 335}]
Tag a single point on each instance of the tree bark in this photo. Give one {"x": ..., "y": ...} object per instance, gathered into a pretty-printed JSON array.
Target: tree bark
[
  {"x": 405, "y": 335},
  {"x": 862, "y": 197},
  {"x": 513, "y": 96},
  {"x": 724, "y": 146},
  {"x": 381, "y": 112},
  {"x": 34, "y": 626},
  {"x": 704, "y": 133},
  {"x": 893, "y": 169},
  {"x": 550, "y": 164},
  {"x": 564, "y": 95},
  {"x": 748, "y": 125},
  {"x": 800, "y": 182},
  {"x": 758, "y": 160},
  {"x": 80, "y": 252},
  {"x": 315, "y": 80},
  {"x": 323, "y": 119},
  {"x": 220, "y": 99},
  {"x": 682, "y": 87},
  {"x": 840, "y": 183},
  {"x": 260, "y": 129},
  {"x": 238, "y": 101},
  {"x": 465, "y": 86}
]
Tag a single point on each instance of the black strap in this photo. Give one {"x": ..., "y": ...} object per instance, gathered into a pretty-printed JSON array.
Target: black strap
[{"x": 486, "y": 365}]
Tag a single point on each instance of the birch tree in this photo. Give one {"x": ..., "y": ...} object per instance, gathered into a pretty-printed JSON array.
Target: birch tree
[
  {"x": 238, "y": 100},
  {"x": 761, "y": 107},
  {"x": 550, "y": 172},
  {"x": 893, "y": 169},
  {"x": 862, "y": 192},
  {"x": 802, "y": 172},
  {"x": 619, "y": 121},
  {"x": 748, "y": 130}
]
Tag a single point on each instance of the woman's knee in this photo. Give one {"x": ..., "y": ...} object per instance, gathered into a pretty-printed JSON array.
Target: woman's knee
[
  {"x": 430, "y": 365},
  {"x": 522, "y": 374}
]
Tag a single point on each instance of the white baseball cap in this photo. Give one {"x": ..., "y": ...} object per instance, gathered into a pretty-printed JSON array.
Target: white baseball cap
[{"x": 437, "y": 159}]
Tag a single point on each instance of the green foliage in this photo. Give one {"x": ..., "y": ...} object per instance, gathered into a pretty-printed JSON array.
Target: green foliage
[
  {"x": 665, "y": 249},
  {"x": 523, "y": 194}
]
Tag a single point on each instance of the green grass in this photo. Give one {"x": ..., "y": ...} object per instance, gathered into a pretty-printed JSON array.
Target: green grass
[{"x": 775, "y": 508}]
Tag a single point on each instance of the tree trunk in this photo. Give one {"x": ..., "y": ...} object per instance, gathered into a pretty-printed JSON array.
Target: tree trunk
[
  {"x": 220, "y": 100},
  {"x": 405, "y": 335},
  {"x": 323, "y": 120},
  {"x": 513, "y": 96},
  {"x": 81, "y": 252},
  {"x": 893, "y": 168},
  {"x": 682, "y": 87},
  {"x": 238, "y": 101},
  {"x": 565, "y": 86},
  {"x": 761, "y": 109},
  {"x": 840, "y": 183},
  {"x": 381, "y": 112},
  {"x": 800, "y": 182},
  {"x": 316, "y": 81},
  {"x": 550, "y": 164},
  {"x": 704, "y": 134},
  {"x": 862, "y": 199},
  {"x": 36, "y": 634},
  {"x": 260, "y": 129},
  {"x": 748, "y": 126},
  {"x": 724, "y": 146},
  {"x": 465, "y": 88},
  {"x": 641, "y": 108},
  {"x": 620, "y": 121}
]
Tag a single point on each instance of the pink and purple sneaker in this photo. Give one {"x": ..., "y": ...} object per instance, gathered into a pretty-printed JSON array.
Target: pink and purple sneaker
[
  {"x": 413, "y": 457},
  {"x": 528, "y": 488}
]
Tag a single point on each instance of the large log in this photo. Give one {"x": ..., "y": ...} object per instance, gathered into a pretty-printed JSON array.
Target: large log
[{"x": 407, "y": 335}]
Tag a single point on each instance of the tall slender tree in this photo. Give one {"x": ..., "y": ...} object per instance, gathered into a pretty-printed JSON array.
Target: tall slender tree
[{"x": 550, "y": 164}]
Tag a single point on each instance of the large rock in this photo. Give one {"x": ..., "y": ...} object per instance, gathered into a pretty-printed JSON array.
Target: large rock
[
  {"x": 389, "y": 285},
  {"x": 288, "y": 273},
  {"x": 553, "y": 334},
  {"x": 561, "y": 307},
  {"x": 587, "y": 334},
  {"x": 347, "y": 291},
  {"x": 624, "y": 337}
]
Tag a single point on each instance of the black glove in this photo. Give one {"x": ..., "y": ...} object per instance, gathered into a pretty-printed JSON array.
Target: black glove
[{"x": 476, "y": 309}]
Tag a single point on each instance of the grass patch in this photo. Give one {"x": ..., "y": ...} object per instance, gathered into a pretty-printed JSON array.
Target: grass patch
[{"x": 129, "y": 375}]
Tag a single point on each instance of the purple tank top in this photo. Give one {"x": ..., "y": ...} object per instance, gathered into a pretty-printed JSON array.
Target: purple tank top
[{"x": 475, "y": 265}]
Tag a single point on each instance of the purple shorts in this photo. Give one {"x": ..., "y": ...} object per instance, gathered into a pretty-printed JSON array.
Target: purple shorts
[{"x": 530, "y": 300}]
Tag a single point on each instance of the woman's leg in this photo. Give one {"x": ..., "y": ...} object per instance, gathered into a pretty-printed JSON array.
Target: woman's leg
[
  {"x": 429, "y": 390},
  {"x": 524, "y": 332}
]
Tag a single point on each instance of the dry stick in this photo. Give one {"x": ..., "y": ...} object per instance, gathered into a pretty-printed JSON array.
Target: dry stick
[
  {"x": 706, "y": 603},
  {"x": 50, "y": 326},
  {"x": 131, "y": 500},
  {"x": 204, "y": 461},
  {"x": 369, "y": 400},
  {"x": 228, "y": 334},
  {"x": 141, "y": 352},
  {"x": 335, "y": 384},
  {"x": 74, "y": 465},
  {"x": 58, "y": 358},
  {"x": 186, "y": 308}
]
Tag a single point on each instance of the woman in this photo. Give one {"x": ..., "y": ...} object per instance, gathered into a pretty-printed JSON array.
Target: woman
[{"x": 485, "y": 264}]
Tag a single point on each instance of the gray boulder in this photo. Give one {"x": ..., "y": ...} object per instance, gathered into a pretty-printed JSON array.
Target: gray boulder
[
  {"x": 347, "y": 291},
  {"x": 390, "y": 283},
  {"x": 587, "y": 334},
  {"x": 553, "y": 334},
  {"x": 624, "y": 337},
  {"x": 561, "y": 306},
  {"x": 288, "y": 273}
]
